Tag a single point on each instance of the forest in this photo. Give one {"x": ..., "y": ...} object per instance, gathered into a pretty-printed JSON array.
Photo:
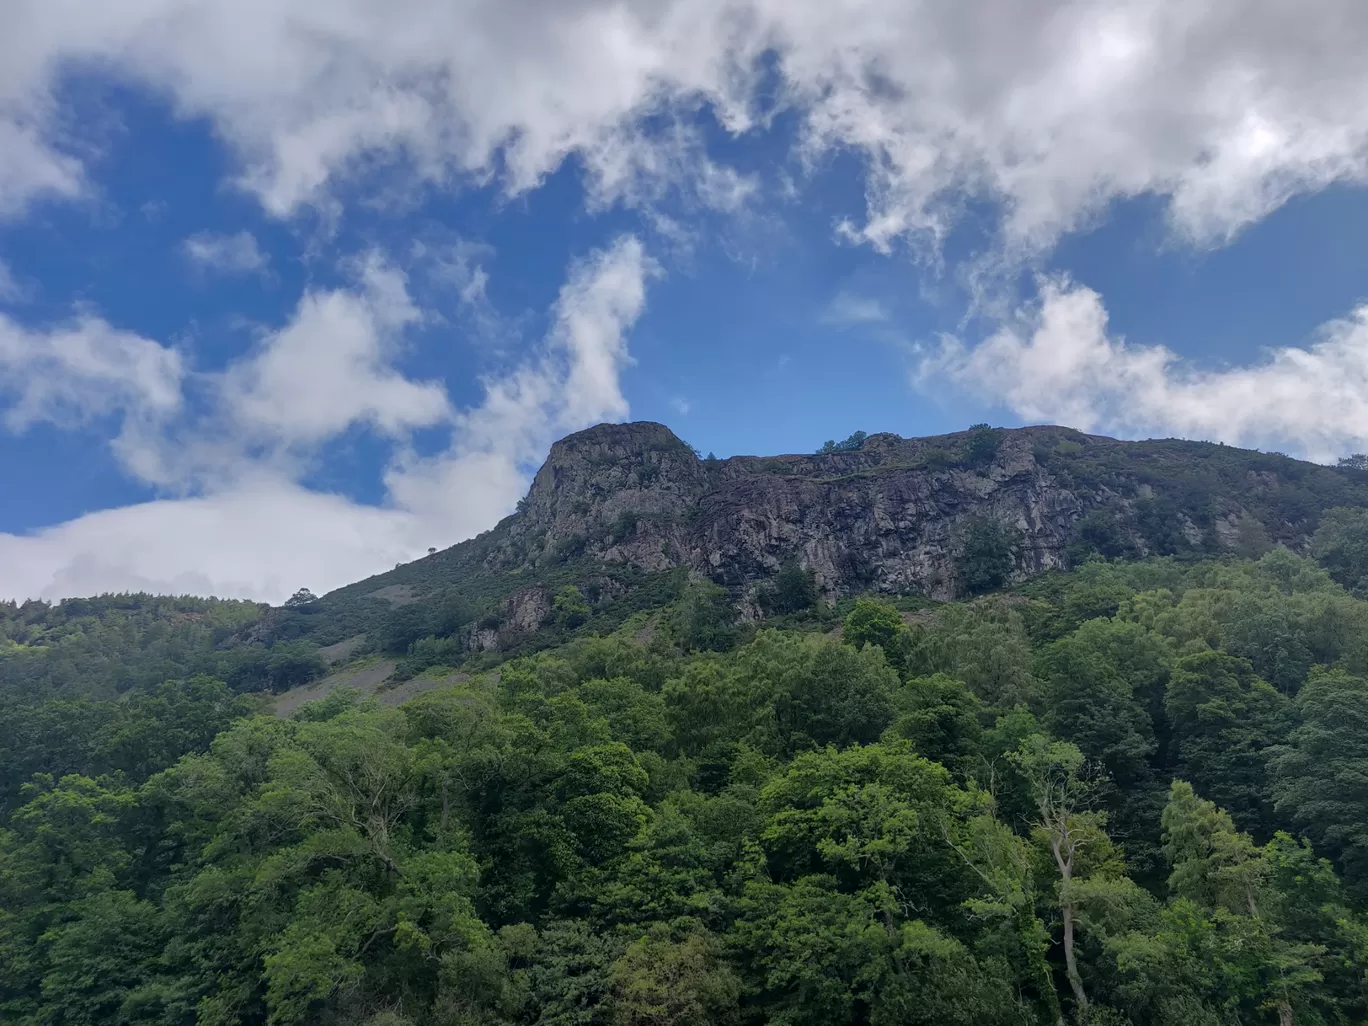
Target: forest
[{"x": 1136, "y": 792}]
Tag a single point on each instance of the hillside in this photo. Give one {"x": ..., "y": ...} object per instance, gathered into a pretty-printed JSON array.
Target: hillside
[
  {"x": 1129, "y": 794},
  {"x": 622, "y": 510},
  {"x": 1016, "y": 728},
  {"x": 626, "y": 514}
]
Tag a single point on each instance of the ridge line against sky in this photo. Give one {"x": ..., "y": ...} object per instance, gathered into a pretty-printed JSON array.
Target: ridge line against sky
[{"x": 291, "y": 291}]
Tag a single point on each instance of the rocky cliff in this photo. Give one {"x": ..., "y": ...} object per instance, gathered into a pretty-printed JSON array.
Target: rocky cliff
[
  {"x": 890, "y": 516},
  {"x": 894, "y": 515}
]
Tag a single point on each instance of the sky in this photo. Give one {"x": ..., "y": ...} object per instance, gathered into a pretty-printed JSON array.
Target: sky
[{"x": 293, "y": 290}]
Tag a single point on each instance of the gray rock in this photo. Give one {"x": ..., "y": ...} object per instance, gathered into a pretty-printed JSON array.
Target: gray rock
[{"x": 889, "y": 517}]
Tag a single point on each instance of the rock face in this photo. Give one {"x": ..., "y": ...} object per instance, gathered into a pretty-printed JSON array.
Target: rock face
[
  {"x": 619, "y": 505},
  {"x": 891, "y": 517}
]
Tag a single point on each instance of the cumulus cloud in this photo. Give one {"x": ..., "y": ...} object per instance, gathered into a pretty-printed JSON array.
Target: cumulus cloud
[
  {"x": 84, "y": 369},
  {"x": 1049, "y": 107},
  {"x": 1059, "y": 363},
  {"x": 254, "y": 532},
  {"x": 331, "y": 367},
  {"x": 226, "y": 254}
]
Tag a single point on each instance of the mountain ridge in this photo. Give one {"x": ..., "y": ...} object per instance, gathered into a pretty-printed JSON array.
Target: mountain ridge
[{"x": 618, "y": 507}]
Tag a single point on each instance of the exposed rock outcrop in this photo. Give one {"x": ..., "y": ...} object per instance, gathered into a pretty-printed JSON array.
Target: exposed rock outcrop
[
  {"x": 615, "y": 506},
  {"x": 891, "y": 516}
]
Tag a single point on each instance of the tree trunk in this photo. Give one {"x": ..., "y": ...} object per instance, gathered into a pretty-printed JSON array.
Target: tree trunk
[
  {"x": 1066, "y": 914},
  {"x": 1284, "y": 1013},
  {"x": 1071, "y": 962}
]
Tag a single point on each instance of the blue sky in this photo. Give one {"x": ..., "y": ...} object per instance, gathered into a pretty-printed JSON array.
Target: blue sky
[{"x": 291, "y": 292}]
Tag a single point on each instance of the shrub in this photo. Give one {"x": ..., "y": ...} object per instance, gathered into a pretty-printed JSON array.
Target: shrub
[
  {"x": 982, "y": 446},
  {"x": 793, "y": 591},
  {"x": 851, "y": 444},
  {"x": 569, "y": 608},
  {"x": 987, "y": 560},
  {"x": 1099, "y": 532}
]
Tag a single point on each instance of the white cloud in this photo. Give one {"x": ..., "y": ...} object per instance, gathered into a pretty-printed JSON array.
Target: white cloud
[
  {"x": 848, "y": 310},
  {"x": 1058, "y": 363},
  {"x": 10, "y": 290},
  {"x": 31, "y": 167},
  {"x": 602, "y": 297},
  {"x": 330, "y": 367},
  {"x": 227, "y": 254},
  {"x": 254, "y": 532},
  {"x": 82, "y": 370},
  {"x": 638, "y": 168},
  {"x": 1052, "y": 107},
  {"x": 574, "y": 383},
  {"x": 260, "y": 540}
]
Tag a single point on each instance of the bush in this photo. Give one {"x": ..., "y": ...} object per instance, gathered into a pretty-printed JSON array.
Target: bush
[
  {"x": 982, "y": 447},
  {"x": 1099, "y": 532},
  {"x": 793, "y": 591},
  {"x": 987, "y": 561},
  {"x": 851, "y": 444},
  {"x": 704, "y": 619},
  {"x": 405, "y": 625},
  {"x": 569, "y": 608},
  {"x": 937, "y": 459}
]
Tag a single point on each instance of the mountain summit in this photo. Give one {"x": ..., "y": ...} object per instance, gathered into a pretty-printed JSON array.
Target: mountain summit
[{"x": 618, "y": 507}]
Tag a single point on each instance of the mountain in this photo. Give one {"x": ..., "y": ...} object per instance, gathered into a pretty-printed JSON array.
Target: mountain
[
  {"x": 621, "y": 510},
  {"x": 616, "y": 761},
  {"x": 626, "y": 514}
]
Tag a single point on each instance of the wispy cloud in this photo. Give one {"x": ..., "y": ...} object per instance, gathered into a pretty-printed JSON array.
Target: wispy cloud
[
  {"x": 10, "y": 289},
  {"x": 238, "y": 253},
  {"x": 329, "y": 368},
  {"x": 848, "y": 310}
]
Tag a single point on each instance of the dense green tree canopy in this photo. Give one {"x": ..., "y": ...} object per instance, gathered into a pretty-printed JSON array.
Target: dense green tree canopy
[{"x": 1132, "y": 794}]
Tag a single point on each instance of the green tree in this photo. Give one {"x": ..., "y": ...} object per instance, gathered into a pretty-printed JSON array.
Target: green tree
[
  {"x": 981, "y": 448},
  {"x": 1219, "y": 869},
  {"x": 704, "y": 618},
  {"x": 987, "y": 560},
  {"x": 1225, "y": 722},
  {"x": 794, "y": 590},
  {"x": 1320, "y": 779},
  {"x": 1340, "y": 544},
  {"x": 569, "y": 608},
  {"x": 660, "y": 981},
  {"x": 940, "y": 716},
  {"x": 1092, "y": 703},
  {"x": 851, "y": 444},
  {"x": 877, "y": 623},
  {"x": 808, "y": 691},
  {"x": 1073, "y": 833}
]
